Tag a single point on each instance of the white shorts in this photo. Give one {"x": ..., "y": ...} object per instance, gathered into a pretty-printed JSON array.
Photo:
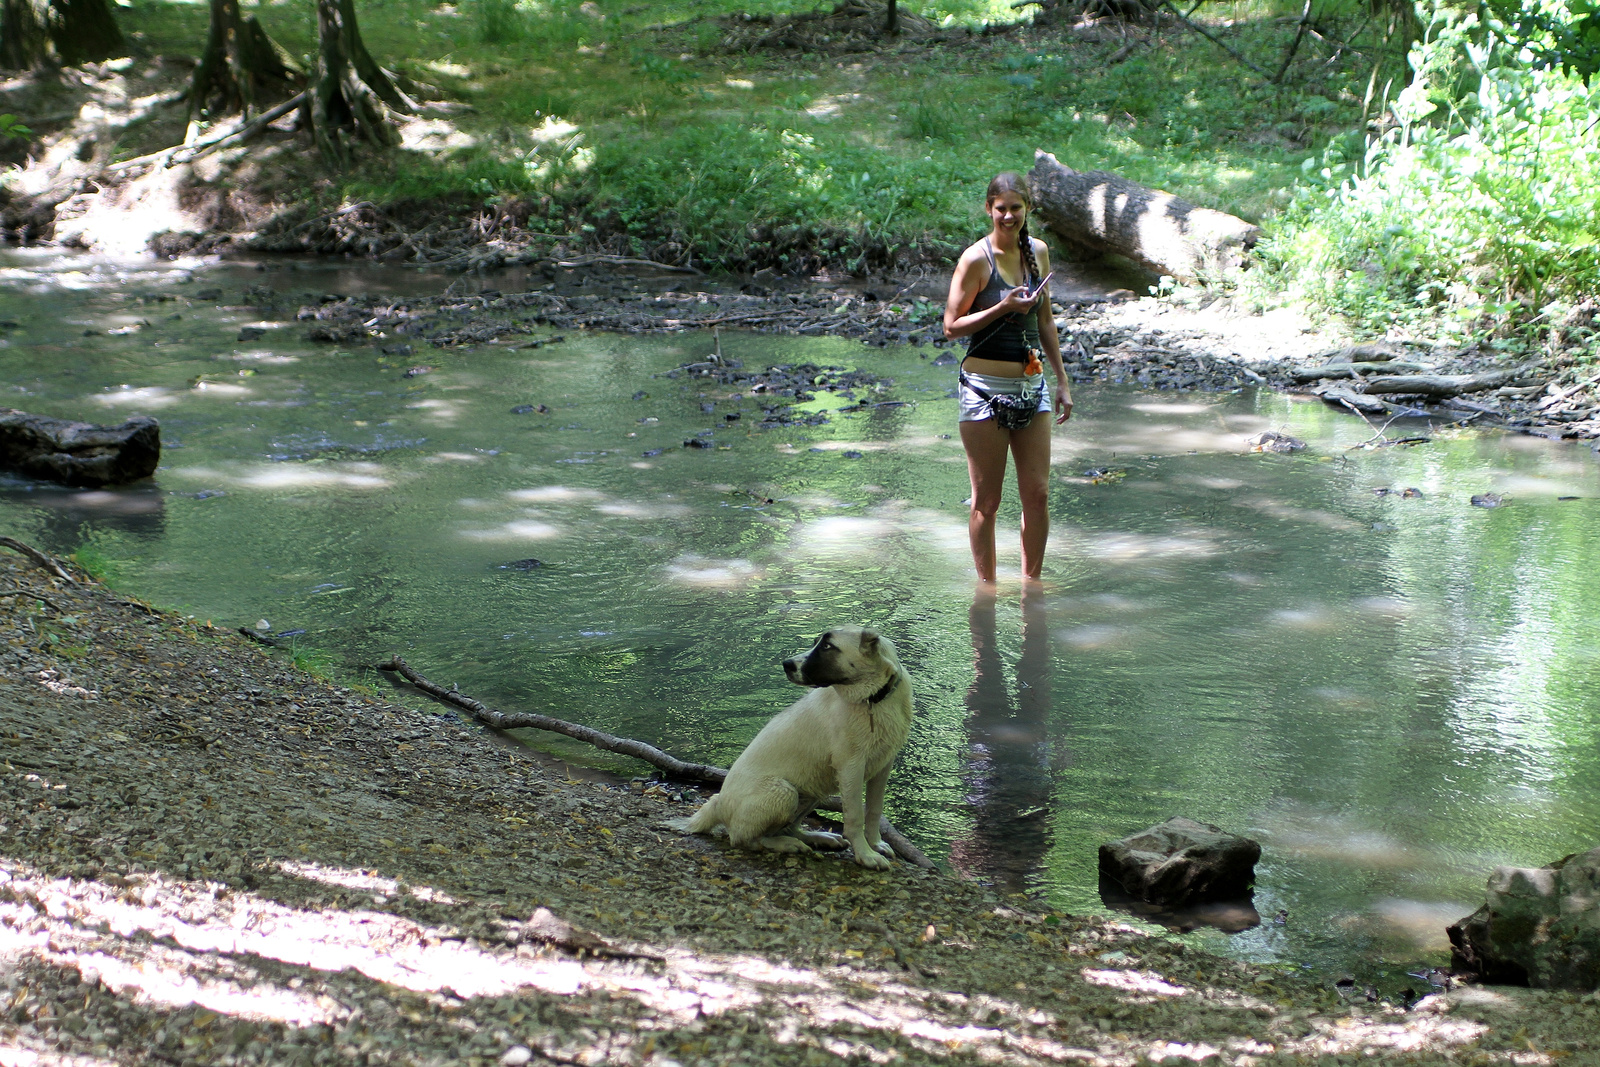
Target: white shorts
[{"x": 974, "y": 408}]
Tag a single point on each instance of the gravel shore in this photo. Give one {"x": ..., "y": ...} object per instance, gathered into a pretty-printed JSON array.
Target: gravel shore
[{"x": 210, "y": 857}]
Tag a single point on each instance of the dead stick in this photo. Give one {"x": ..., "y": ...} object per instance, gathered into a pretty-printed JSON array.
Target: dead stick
[
  {"x": 40, "y": 597},
  {"x": 38, "y": 557},
  {"x": 500, "y": 720},
  {"x": 694, "y": 772}
]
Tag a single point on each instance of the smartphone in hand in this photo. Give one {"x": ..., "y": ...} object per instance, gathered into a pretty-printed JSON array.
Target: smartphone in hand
[{"x": 1043, "y": 287}]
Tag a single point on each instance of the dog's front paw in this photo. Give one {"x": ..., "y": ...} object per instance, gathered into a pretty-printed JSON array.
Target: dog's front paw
[
  {"x": 870, "y": 859},
  {"x": 883, "y": 849}
]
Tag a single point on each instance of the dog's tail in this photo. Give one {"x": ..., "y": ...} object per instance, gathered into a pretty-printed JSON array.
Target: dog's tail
[{"x": 708, "y": 818}]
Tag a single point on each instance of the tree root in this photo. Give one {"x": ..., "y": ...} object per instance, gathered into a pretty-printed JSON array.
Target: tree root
[{"x": 627, "y": 746}]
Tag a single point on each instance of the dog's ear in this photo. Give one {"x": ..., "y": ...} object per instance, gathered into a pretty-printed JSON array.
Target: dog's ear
[{"x": 869, "y": 642}]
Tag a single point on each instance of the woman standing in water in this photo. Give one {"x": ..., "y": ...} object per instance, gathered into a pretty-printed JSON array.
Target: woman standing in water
[{"x": 1002, "y": 384}]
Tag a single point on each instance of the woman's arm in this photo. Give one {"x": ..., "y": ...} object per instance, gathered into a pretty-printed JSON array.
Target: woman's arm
[
  {"x": 1050, "y": 341},
  {"x": 972, "y": 274}
]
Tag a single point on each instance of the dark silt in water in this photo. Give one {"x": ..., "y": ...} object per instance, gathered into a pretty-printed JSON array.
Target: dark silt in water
[{"x": 1393, "y": 694}]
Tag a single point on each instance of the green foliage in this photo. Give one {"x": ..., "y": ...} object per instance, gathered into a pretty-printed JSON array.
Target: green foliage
[
  {"x": 313, "y": 661},
  {"x": 11, "y": 128},
  {"x": 499, "y": 21},
  {"x": 1475, "y": 210},
  {"x": 95, "y": 564},
  {"x": 1557, "y": 34}
]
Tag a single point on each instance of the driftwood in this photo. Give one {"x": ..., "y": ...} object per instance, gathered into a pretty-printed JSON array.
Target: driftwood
[
  {"x": 1341, "y": 396},
  {"x": 1441, "y": 385},
  {"x": 78, "y": 453},
  {"x": 1372, "y": 352},
  {"x": 1353, "y": 370},
  {"x": 1106, "y": 212},
  {"x": 669, "y": 764},
  {"x": 40, "y": 558}
]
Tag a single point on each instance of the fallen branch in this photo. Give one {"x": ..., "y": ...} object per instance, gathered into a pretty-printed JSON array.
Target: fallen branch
[
  {"x": 38, "y": 557},
  {"x": 1201, "y": 30},
  {"x": 168, "y": 156},
  {"x": 677, "y": 768},
  {"x": 23, "y": 591},
  {"x": 626, "y": 261},
  {"x": 1353, "y": 370},
  {"x": 1443, "y": 384}
]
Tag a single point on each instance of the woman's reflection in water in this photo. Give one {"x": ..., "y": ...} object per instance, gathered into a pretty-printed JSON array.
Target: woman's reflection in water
[{"x": 1009, "y": 768}]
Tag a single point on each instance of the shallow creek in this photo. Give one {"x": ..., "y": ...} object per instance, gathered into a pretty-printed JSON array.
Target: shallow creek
[{"x": 1393, "y": 693}]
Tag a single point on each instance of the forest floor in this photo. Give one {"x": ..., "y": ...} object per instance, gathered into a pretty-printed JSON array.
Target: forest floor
[{"x": 210, "y": 857}]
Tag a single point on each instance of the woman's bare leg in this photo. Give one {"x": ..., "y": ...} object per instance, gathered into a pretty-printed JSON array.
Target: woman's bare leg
[
  {"x": 986, "y": 445},
  {"x": 1031, "y": 449}
]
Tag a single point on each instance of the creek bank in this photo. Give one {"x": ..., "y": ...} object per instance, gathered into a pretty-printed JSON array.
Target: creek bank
[
  {"x": 1159, "y": 344},
  {"x": 207, "y": 856}
]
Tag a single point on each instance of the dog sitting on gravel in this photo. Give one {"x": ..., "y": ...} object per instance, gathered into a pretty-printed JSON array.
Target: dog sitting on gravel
[{"x": 840, "y": 737}]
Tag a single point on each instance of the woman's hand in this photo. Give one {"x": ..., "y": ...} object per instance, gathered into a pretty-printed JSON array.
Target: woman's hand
[
  {"x": 1019, "y": 300},
  {"x": 1063, "y": 404}
]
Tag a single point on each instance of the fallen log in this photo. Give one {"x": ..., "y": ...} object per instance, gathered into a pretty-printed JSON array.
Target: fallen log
[
  {"x": 1441, "y": 385},
  {"x": 627, "y": 746},
  {"x": 1353, "y": 370},
  {"x": 78, "y": 453},
  {"x": 1106, "y": 212},
  {"x": 1373, "y": 352},
  {"x": 1340, "y": 396}
]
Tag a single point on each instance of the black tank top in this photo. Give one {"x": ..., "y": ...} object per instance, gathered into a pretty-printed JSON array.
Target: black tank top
[{"x": 1009, "y": 337}]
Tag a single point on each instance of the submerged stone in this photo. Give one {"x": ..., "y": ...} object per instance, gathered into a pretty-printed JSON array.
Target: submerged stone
[{"x": 1182, "y": 861}]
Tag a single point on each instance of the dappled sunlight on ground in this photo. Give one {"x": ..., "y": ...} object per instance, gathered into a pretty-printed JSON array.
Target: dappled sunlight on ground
[{"x": 167, "y": 945}]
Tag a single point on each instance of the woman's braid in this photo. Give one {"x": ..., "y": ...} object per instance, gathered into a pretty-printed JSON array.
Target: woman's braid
[{"x": 1025, "y": 244}]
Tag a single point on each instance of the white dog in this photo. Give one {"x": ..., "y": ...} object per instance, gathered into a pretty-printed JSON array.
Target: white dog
[{"x": 840, "y": 737}]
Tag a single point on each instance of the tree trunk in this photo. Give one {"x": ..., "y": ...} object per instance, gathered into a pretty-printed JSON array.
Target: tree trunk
[
  {"x": 350, "y": 93},
  {"x": 34, "y": 32},
  {"x": 241, "y": 66},
  {"x": 891, "y": 24},
  {"x": 1105, "y": 212}
]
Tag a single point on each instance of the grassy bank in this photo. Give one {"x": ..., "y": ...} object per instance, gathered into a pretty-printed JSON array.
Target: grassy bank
[{"x": 659, "y": 130}]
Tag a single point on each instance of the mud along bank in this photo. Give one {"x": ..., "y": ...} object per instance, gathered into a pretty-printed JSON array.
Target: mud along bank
[
  {"x": 1183, "y": 345},
  {"x": 207, "y": 856}
]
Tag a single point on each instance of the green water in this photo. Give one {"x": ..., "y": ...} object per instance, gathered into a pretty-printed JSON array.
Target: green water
[{"x": 1392, "y": 694}]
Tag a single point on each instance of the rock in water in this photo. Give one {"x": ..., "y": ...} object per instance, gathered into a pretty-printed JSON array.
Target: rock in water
[
  {"x": 79, "y": 453},
  {"x": 1181, "y": 861},
  {"x": 1540, "y": 926}
]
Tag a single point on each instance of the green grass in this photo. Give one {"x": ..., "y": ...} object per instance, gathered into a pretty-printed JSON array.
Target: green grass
[{"x": 677, "y": 149}]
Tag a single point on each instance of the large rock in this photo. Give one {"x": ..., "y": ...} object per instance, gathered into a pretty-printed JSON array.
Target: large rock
[
  {"x": 1540, "y": 926},
  {"x": 1182, "y": 861},
  {"x": 78, "y": 453}
]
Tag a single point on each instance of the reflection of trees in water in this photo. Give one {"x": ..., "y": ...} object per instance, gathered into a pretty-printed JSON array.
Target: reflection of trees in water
[{"x": 1008, "y": 773}]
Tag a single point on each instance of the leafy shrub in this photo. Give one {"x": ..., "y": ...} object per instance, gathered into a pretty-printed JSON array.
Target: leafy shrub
[{"x": 1474, "y": 210}]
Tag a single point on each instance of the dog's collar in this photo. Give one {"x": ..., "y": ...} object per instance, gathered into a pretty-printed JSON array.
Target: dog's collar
[{"x": 888, "y": 687}]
